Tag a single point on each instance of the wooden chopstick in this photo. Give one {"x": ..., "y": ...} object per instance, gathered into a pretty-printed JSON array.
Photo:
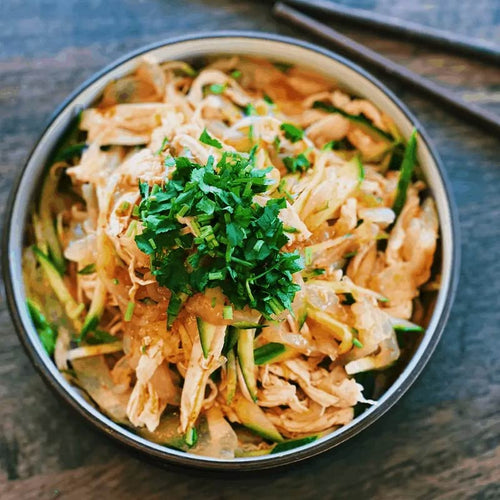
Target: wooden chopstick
[
  {"x": 451, "y": 100},
  {"x": 412, "y": 31}
]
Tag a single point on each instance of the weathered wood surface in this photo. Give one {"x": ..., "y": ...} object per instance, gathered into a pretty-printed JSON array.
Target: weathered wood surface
[{"x": 441, "y": 441}]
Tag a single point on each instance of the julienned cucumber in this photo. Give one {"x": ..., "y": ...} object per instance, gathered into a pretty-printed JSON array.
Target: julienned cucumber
[
  {"x": 207, "y": 333},
  {"x": 268, "y": 352},
  {"x": 47, "y": 224},
  {"x": 360, "y": 121},
  {"x": 293, "y": 443},
  {"x": 407, "y": 166},
  {"x": 73, "y": 310},
  {"x": 253, "y": 418},
  {"x": 246, "y": 360},
  {"x": 231, "y": 376}
]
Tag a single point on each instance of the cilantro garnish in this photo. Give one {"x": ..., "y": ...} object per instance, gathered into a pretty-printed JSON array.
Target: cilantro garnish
[
  {"x": 249, "y": 110},
  {"x": 283, "y": 67},
  {"x": 202, "y": 229},
  {"x": 292, "y": 133},
  {"x": 206, "y": 138},
  {"x": 217, "y": 88},
  {"x": 268, "y": 100},
  {"x": 299, "y": 163}
]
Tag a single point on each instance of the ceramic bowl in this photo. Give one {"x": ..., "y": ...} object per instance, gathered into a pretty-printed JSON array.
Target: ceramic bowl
[{"x": 351, "y": 78}]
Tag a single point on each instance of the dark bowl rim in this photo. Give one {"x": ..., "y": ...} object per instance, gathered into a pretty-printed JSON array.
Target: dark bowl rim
[{"x": 256, "y": 463}]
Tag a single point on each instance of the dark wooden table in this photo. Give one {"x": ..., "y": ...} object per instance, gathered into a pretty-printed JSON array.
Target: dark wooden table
[{"x": 440, "y": 441}]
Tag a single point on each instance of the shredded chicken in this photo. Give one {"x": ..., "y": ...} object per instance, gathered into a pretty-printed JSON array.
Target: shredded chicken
[{"x": 364, "y": 263}]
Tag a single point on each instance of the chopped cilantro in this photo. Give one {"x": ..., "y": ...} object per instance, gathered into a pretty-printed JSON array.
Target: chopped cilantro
[
  {"x": 207, "y": 139},
  {"x": 89, "y": 269},
  {"x": 283, "y": 67},
  {"x": 249, "y": 110},
  {"x": 217, "y": 88},
  {"x": 292, "y": 133},
  {"x": 268, "y": 99},
  {"x": 208, "y": 232},
  {"x": 169, "y": 162},
  {"x": 235, "y": 74},
  {"x": 299, "y": 163}
]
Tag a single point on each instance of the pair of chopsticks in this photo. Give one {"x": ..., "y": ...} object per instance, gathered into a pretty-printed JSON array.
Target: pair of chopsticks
[{"x": 480, "y": 116}]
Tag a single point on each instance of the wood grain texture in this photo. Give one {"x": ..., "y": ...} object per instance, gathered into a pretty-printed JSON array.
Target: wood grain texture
[{"x": 442, "y": 440}]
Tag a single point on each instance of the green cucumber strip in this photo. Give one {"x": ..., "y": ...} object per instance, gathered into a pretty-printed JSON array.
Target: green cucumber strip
[
  {"x": 407, "y": 166},
  {"x": 246, "y": 360},
  {"x": 191, "y": 437},
  {"x": 230, "y": 340},
  {"x": 254, "y": 419},
  {"x": 245, "y": 325},
  {"x": 47, "y": 226},
  {"x": 47, "y": 334},
  {"x": 73, "y": 309},
  {"x": 96, "y": 309},
  {"x": 268, "y": 352},
  {"x": 293, "y": 443},
  {"x": 167, "y": 433},
  {"x": 359, "y": 120},
  {"x": 70, "y": 152},
  {"x": 231, "y": 376},
  {"x": 207, "y": 333}
]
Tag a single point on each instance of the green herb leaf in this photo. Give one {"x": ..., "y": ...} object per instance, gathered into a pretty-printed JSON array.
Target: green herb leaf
[
  {"x": 249, "y": 110},
  {"x": 292, "y": 133},
  {"x": 217, "y": 88},
  {"x": 283, "y": 67},
  {"x": 206, "y": 138},
  {"x": 203, "y": 229},
  {"x": 268, "y": 99},
  {"x": 235, "y": 74},
  {"x": 299, "y": 163}
]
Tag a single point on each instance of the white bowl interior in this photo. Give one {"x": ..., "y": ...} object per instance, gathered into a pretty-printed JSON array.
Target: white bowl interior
[{"x": 276, "y": 49}]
